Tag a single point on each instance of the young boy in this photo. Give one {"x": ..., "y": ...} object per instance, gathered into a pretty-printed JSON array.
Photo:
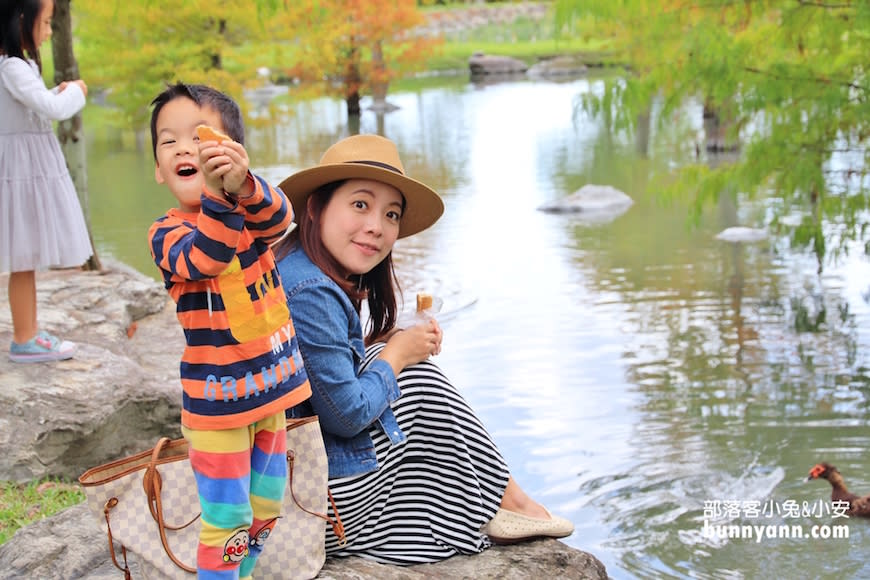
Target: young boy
[{"x": 241, "y": 367}]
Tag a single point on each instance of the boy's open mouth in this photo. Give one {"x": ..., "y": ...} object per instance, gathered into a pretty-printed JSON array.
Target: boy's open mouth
[{"x": 186, "y": 170}]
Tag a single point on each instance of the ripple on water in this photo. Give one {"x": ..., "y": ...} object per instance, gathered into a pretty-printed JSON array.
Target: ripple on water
[{"x": 661, "y": 509}]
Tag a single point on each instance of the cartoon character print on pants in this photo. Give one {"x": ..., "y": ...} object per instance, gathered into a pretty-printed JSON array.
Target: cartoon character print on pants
[
  {"x": 254, "y": 309},
  {"x": 236, "y": 547},
  {"x": 259, "y": 538}
]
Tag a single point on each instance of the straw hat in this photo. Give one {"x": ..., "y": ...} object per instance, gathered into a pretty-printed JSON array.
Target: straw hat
[{"x": 368, "y": 157}]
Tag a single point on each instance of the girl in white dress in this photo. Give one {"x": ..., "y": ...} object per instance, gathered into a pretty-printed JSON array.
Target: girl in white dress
[{"x": 41, "y": 221}]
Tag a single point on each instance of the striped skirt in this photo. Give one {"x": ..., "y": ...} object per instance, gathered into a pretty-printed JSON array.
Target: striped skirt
[{"x": 432, "y": 493}]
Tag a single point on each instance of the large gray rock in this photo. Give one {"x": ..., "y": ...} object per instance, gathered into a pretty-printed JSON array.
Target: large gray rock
[
  {"x": 118, "y": 395},
  {"x": 70, "y": 545},
  {"x": 563, "y": 66},
  {"x": 488, "y": 64}
]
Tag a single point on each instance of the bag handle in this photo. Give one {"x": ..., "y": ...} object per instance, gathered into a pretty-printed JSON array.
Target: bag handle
[
  {"x": 337, "y": 526},
  {"x": 153, "y": 484},
  {"x": 111, "y": 503}
]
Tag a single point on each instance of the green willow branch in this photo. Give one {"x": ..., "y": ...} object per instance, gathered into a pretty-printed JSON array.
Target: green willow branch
[
  {"x": 742, "y": 3},
  {"x": 819, "y": 80},
  {"x": 825, "y": 5}
]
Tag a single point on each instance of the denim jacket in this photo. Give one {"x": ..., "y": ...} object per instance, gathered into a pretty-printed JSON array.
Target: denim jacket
[{"x": 330, "y": 337}]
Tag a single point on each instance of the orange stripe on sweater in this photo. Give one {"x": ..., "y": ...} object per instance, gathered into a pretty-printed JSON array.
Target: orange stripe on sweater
[
  {"x": 291, "y": 399},
  {"x": 229, "y": 354}
]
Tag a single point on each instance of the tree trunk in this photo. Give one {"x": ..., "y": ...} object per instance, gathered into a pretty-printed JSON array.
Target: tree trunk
[
  {"x": 70, "y": 132},
  {"x": 216, "y": 60},
  {"x": 717, "y": 124},
  {"x": 642, "y": 132},
  {"x": 352, "y": 82},
  {"x": 353, "y": 106},
  {"x": 379, "y": 76}
]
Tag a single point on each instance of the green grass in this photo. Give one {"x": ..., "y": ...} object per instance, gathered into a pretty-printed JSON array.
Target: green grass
[
  {"x": 22, "y": 504},
  {"x": 527, "y": 39}
]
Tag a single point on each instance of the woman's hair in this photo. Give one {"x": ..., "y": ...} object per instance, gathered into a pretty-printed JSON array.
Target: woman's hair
[
  {"x": 17, "y": 18},
  {"x": 377, "y": 286}
]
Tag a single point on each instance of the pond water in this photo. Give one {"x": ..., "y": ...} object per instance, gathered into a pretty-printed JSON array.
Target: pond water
[{"x": 639, "y": 375}]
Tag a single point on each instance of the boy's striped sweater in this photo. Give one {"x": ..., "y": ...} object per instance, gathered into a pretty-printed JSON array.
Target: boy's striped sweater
[{"x": 242, "y": 361}]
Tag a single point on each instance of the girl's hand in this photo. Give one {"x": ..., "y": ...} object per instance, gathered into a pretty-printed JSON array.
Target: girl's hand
[{"x": 64, "y": 84}]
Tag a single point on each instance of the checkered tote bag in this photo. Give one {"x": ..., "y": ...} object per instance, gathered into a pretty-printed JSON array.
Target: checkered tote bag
[{"x": 148, "y": 504}]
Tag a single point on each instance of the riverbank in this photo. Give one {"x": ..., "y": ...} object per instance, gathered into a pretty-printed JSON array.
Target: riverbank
[{"x": 522, "y": 30}]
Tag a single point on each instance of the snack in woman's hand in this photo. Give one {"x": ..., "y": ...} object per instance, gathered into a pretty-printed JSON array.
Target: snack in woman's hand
[
  {"x": 424, "y": 301},
  {"x": 206, "y": 133},
  {"x": 428, "y": 306}
]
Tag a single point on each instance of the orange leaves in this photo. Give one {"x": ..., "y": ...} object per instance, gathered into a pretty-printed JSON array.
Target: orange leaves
[{"x": 358, "y": 43}]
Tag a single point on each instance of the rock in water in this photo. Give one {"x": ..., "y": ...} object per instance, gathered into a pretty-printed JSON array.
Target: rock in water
[
  {"x": 601, "y": 201},
  {"x": 741, "y": 234}
]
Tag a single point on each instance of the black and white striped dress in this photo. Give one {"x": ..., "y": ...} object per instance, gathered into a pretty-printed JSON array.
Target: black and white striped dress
[{"x": 432, "y": 493}]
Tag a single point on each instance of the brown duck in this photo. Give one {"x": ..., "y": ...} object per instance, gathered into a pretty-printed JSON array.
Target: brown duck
[{"x": 858, "y": 506}]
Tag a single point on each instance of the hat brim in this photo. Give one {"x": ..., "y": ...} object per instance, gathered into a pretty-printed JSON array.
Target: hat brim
[{"x": 423, "y": 206}]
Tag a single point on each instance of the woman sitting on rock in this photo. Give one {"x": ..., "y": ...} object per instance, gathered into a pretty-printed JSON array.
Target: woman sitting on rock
[{"x": 414, "y": 474}]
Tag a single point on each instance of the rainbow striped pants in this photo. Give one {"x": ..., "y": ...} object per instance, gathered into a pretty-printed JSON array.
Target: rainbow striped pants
[{"x": 241, "y": 475}]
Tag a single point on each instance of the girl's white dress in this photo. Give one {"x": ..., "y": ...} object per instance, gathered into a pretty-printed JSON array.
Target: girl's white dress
[{"x": 41, "y": 221}]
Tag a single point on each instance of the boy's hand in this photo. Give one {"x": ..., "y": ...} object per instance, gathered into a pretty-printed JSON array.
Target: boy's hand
[
  {"x": 212, "y": 167},
  {"x": 225, "y": 166}
]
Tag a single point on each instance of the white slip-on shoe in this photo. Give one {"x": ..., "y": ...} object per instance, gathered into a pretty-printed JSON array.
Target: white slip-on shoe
[{"x": 508, "y": 527}]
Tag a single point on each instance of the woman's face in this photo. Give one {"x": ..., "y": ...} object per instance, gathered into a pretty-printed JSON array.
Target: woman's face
[
  {"x": 42, "y": 26},
  {"x": 360, "y": 224}
]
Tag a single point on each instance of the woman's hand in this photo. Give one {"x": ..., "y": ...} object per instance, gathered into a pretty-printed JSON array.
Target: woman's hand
[{"x": 412, "y": 345}]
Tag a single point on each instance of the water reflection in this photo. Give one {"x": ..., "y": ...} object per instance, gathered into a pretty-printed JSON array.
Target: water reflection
[{"x": 630, "y": 371}]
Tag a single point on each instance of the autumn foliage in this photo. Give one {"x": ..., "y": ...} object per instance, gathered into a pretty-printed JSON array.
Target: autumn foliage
[
  {"x": 133, "y": 49},
  {"x": 356, "y": 46}
]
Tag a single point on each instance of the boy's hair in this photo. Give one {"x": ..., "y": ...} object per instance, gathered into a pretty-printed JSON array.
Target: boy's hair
[
  {"x": 203, "y": 96},
  {"x": 17, "y": 18}
]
